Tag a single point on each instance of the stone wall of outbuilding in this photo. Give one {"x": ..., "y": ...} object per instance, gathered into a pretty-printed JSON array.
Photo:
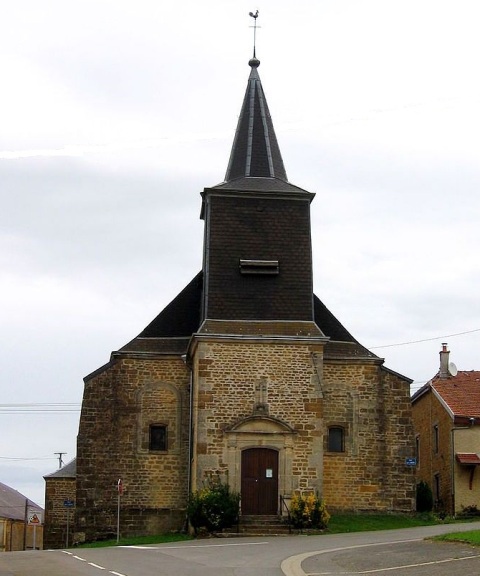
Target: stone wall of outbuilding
[{"x": 57, "y": 515}]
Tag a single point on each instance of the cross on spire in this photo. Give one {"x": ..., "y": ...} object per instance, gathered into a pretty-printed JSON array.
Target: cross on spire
[{"x": 254, "y": 15}]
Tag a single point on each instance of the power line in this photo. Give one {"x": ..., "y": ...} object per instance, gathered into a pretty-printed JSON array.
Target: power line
[
  {"x": 39, "y": 408},
  {"x": 38, "y": 458},
  {"x": 43, "y": 411},
  {"x": 424, "y": 340},
  {"x": 44, "y": 404}
]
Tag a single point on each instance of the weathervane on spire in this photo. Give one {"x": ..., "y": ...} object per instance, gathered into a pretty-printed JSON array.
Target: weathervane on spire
[{"x": 254, "y": 16}]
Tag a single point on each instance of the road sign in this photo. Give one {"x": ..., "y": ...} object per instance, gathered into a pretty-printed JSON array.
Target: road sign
[
  {"x": 35, "y": 518},
  {"x": 68, "y": 503},
  {"x": 410, "y": 461}
]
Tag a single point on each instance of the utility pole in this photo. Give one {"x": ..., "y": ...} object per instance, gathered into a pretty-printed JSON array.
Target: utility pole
[{"x": 60, "y": 460}]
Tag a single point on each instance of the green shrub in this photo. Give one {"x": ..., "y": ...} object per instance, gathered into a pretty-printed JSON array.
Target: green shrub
[
  {"x": 308, "y": 511},
  {"x": 424, "y": 497},
  {"x": 215, "y": 507},
  {"x": 469, "y": 511}
]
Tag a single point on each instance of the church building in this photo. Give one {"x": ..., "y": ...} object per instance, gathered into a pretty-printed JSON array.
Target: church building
[{"x": 245, "y": 376}]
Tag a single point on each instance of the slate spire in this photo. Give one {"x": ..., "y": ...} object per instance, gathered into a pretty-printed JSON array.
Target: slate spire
[{"x": 255, "y": 151}]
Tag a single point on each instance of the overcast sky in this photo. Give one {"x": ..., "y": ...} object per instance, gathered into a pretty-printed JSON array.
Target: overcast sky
[{"x": 114, "y": 115}]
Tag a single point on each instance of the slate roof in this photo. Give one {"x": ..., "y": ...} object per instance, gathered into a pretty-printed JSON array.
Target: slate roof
[
  {"x": 67, "y": 471},
  {"x": 262, "y": 328},
  {"x": 461, "y": 393},
  {"x": 181, "y": 317},
  {"x": 12, "y": 504},
  {"x": 254, "y": 184},
  {"x": 255, "y": 150},
  {"x": 171, "y": 330}
]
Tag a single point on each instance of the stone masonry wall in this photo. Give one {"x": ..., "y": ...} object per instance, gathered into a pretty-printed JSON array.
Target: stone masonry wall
[
  {"x": 372, "y": 406},
  {"x": 119, "y": 405},
  {"x": 57, "y": 490},
  {"x": 428, "y": 413},
  {"x": 228, "y": 376}
]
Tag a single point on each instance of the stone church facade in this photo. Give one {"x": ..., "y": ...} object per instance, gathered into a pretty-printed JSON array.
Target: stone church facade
[{"x": 245, "y": 376}]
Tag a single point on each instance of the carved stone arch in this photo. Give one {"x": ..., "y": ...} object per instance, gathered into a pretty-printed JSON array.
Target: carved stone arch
[
  {"x": 261, "y": 425},
  {"x": 261, "y": 431},
  {"x": 159, "y": 403}
]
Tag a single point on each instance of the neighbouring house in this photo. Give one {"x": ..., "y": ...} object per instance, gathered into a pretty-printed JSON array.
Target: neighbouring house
[
  {"x": 245, "y": 377},
  {"x": 21, "y": 521},
  {"x": 446, "y": 418},
  {"x": 60, "y": 495}
]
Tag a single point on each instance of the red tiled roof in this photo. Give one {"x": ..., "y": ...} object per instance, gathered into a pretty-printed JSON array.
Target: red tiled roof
[
  {"x": 461, "y": 392},
  {"x": 467, "y": 458}
]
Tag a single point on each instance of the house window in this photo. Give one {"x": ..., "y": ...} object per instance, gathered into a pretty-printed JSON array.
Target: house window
[
  {"x": 336, "y": 439},
  {"x": 435, "y": 439},
  {"x": 158, "y": 438}
]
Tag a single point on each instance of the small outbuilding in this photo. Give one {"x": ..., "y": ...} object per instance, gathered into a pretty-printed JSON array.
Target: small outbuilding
[
  {"x": 60, "y": 487},
  {"x": 21, "y": 521}
]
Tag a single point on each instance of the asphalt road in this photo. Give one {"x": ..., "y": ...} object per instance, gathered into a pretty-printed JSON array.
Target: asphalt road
[{"x": 387, "y": 553}]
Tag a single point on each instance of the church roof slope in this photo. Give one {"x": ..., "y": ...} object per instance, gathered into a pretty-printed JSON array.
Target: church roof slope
[
  {"x": 170, "y": 331},
  {"x": 341, "y": 343},
  {"x": 181, "y": 317},
  {"x": 328, "y": 324}
]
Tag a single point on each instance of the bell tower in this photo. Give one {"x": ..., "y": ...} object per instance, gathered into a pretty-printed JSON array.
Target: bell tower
[
  {"x": 257, "y": 252},
  {"x": 257, "y": 355}
]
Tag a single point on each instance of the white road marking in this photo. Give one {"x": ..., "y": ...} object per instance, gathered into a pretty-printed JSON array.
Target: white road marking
[
  {"x": 116, "y": 573},
  {"x": 97, "y": 566},
  {"x": 81, "y": 559},
  {"x": 293, "y": 566},
  {"x": 432, "y": 563},
  {"x": 195, "y": 546}
]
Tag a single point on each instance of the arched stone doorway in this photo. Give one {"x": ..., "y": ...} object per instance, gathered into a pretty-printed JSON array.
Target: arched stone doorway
[{"x": 259, "y": 452}]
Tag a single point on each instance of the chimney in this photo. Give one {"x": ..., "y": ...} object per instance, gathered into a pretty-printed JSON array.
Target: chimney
[{"x": 444, "y": 357}]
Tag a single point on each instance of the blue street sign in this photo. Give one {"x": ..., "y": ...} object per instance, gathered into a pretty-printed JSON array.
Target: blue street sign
[
  {"x": 410, "y": 461},
  {"x": 68, "y": 503}
]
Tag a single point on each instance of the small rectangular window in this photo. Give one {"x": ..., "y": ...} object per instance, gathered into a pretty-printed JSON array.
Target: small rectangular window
[
  {"x": 336, "y": 439},
  {"x": 158, "y": 437}
]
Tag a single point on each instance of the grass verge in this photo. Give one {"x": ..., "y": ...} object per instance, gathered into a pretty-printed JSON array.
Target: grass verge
[
  {"x": 137, "y": 541},
  {"x": 471, "y": 537},
  {"x": 341, "y": 523}
]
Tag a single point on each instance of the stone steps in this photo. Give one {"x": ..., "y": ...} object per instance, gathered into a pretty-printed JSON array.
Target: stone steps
[{"x": 263, "y": 525}]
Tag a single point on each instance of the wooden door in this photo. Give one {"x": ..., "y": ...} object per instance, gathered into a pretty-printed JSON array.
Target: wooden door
[{"x": 259, "y": 481}]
